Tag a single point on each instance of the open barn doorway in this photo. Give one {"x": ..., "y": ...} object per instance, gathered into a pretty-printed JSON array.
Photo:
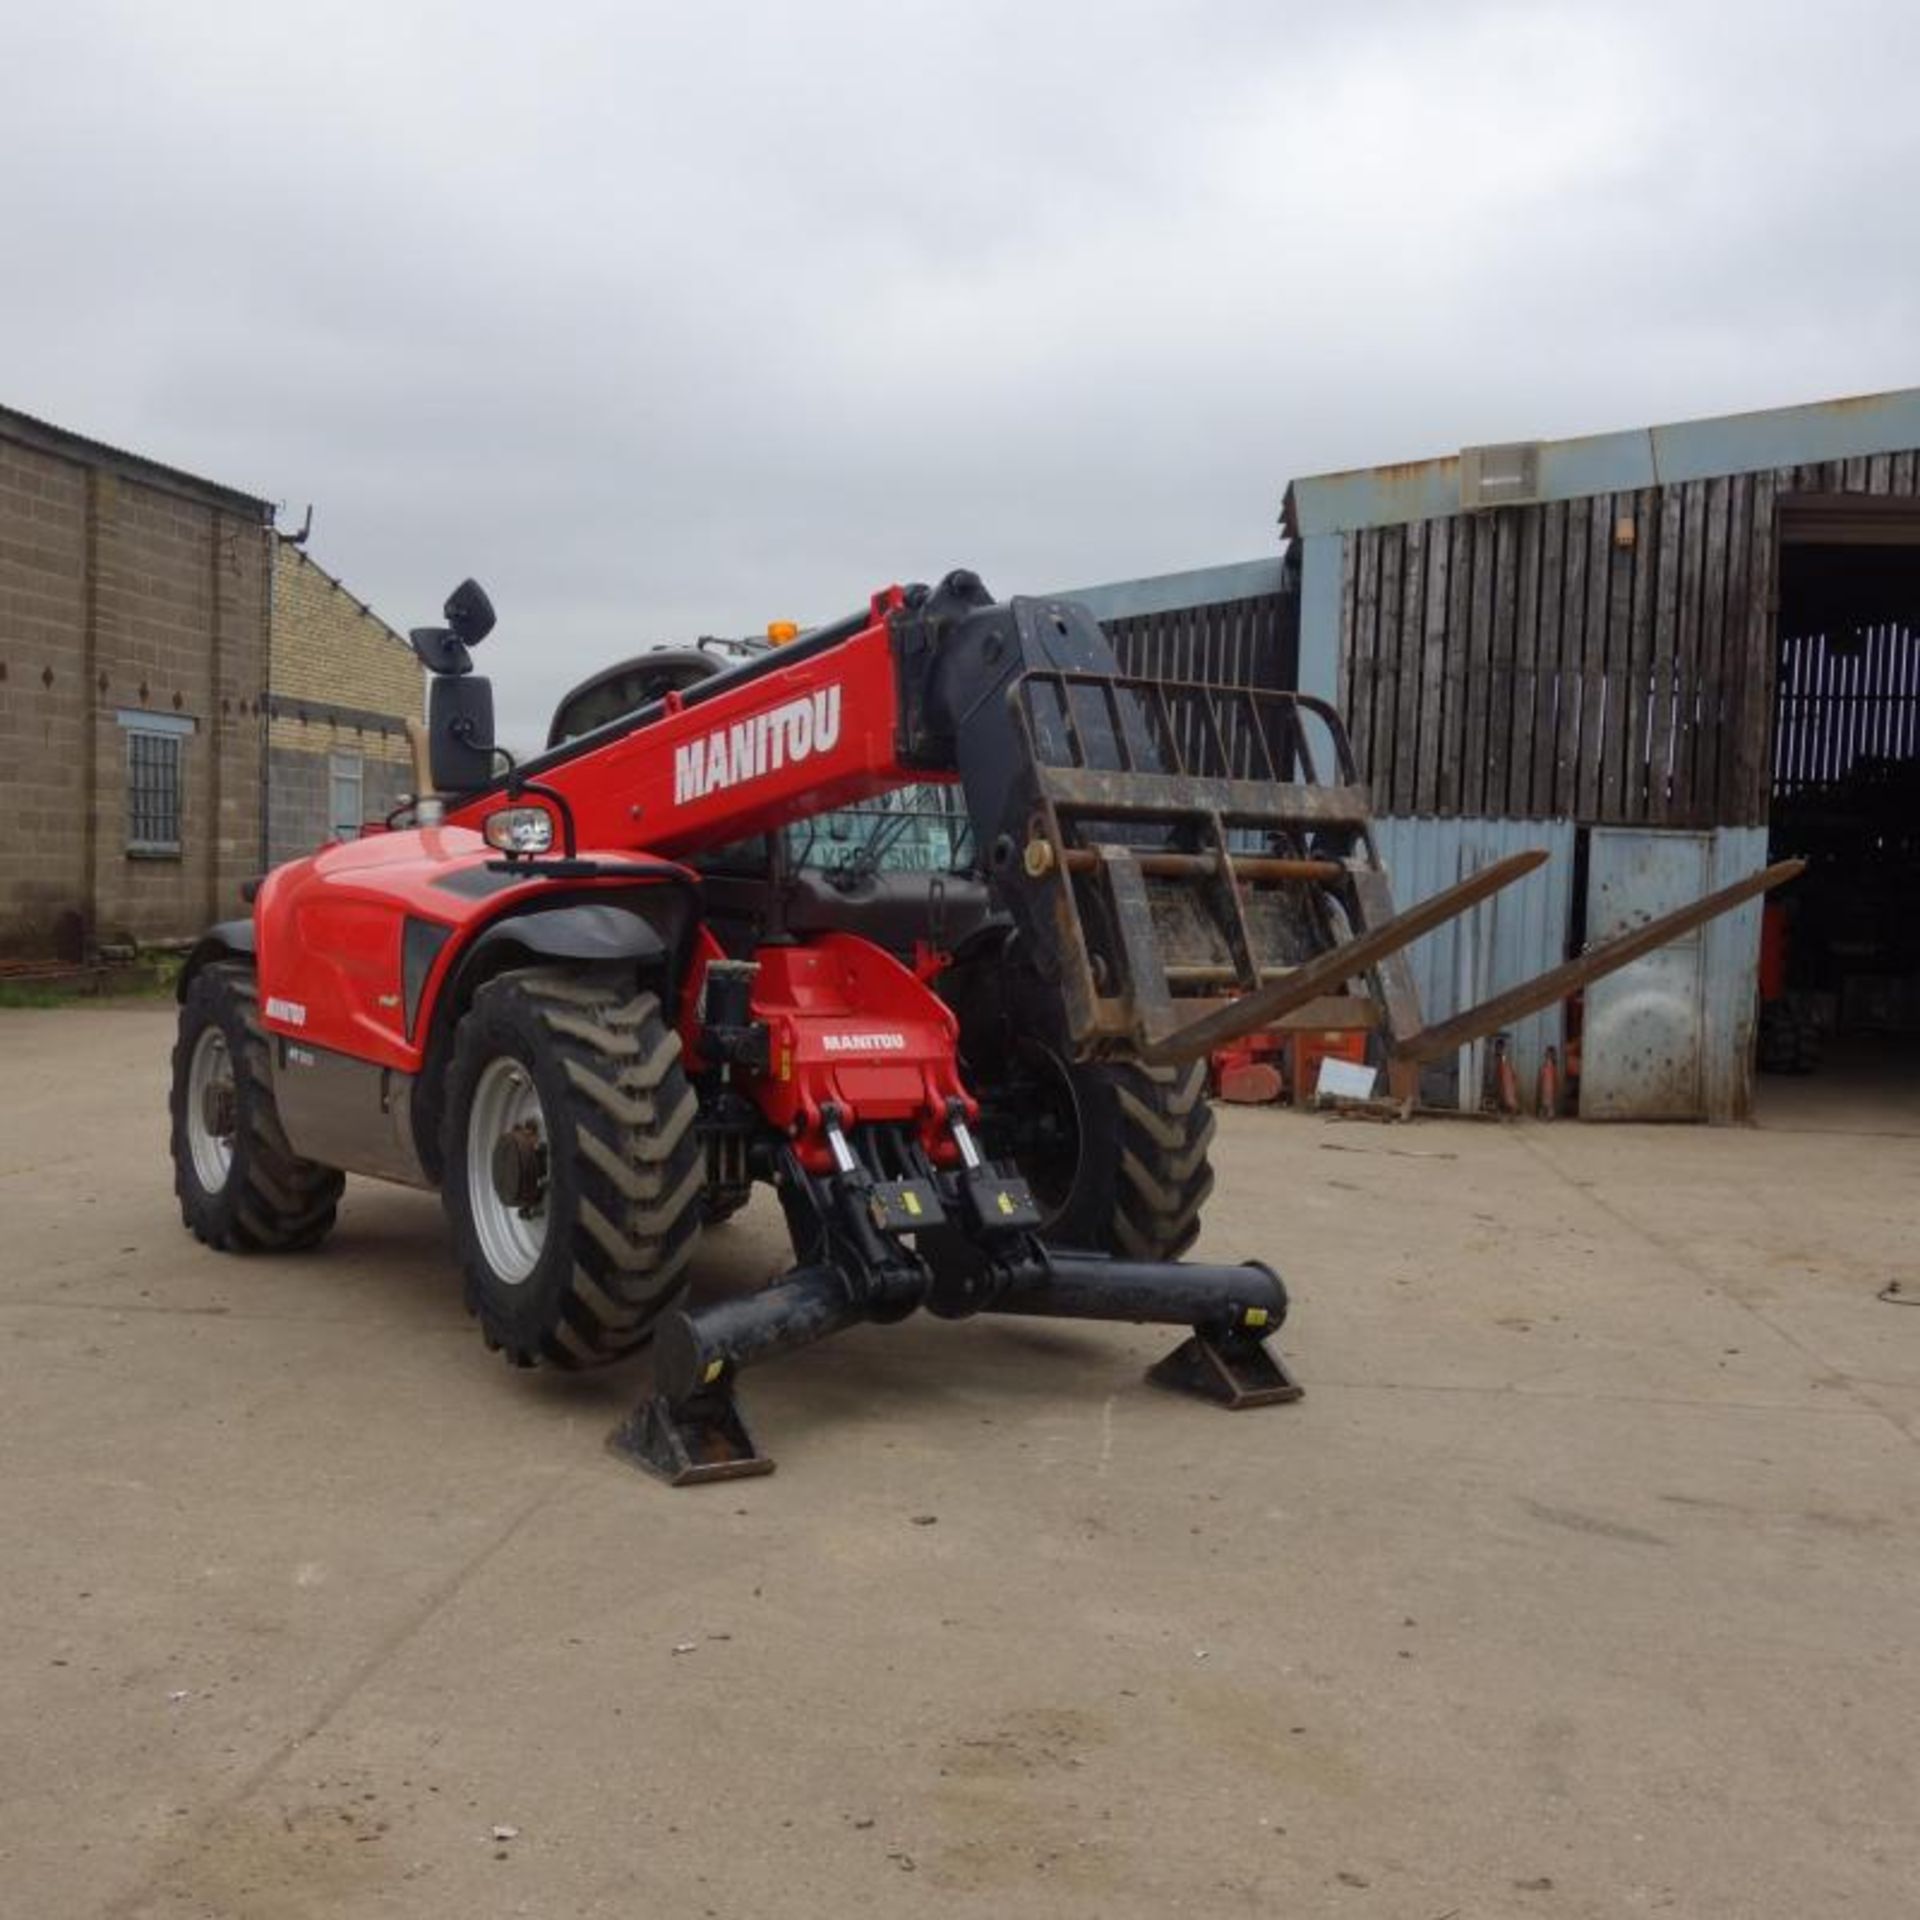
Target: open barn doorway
[{"x": 1840, "y": 953}]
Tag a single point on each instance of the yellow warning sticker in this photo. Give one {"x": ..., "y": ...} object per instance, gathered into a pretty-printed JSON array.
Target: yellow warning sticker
[
  {"x": 715, "y": 1368},
  {"x": 1256, "y": 1316},
  {"x": 911, "y": 1201},
  {"x": 1006, "y": 1203},
  {"x": 786, "y": 1063}
]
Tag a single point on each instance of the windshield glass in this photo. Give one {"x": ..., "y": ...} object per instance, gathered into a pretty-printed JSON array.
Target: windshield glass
[{"x": 919, "y": 829}]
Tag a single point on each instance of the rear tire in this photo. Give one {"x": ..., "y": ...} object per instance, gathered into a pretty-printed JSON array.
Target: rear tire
[
  {"x": 1116, "y": 1153},
  {"x": 573, "y": 1175},
  {"x": 242, "y": 1188},
  {"x": 1139, "y": 1175}
]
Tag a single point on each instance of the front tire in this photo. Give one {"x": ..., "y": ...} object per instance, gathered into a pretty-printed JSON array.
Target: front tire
[
  {"x": 241, "y": 1186},
  {"x": 573, "y": 1176}
]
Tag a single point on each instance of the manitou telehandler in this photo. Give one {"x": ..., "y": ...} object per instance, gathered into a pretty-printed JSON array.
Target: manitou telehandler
[{"x": 596, "y": 996}]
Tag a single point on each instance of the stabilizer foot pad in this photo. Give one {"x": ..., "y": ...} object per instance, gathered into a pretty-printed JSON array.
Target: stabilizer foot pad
[
  {"x": 704, "y": 1438},
  {"x": 1233, "y": 1372}
]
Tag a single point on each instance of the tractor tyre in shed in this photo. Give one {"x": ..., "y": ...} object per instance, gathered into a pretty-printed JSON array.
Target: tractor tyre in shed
[
  {"x": 242, "y": 1188},
  {"x": 573, "y": 1176}
]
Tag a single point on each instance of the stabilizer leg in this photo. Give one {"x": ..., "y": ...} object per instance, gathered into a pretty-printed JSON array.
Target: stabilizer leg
[
  {"x": 701, "y": 1438},
  {"x": 1233, "y": 1370},
  {"x": 1233, "y": 1312}
]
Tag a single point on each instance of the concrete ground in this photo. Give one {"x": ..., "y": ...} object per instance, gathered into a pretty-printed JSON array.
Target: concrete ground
[{"x": 1583, "y": 1582}]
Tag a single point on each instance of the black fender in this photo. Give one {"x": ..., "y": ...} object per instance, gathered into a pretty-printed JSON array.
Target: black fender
[
  {"x": 230, "y": 940},
  {"x": 591, "y": 932},
  {"x": 585, "y": 931}
]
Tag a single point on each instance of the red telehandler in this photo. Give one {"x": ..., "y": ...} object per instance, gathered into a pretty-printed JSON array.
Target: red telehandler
[{"x": 594, "y": 997}]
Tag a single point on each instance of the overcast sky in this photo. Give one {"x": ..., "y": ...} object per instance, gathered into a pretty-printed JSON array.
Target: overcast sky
[{"x": 672, "y": 319}]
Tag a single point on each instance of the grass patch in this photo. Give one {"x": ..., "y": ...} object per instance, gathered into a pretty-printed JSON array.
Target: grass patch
[
  {"x": 151, "y": 977},
  {"x": 24, "y": 993}
]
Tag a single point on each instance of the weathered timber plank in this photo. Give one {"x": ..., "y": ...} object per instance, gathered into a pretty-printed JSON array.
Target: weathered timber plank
[
  {"x": 1620, "y": 688},
  {"x": 1548, "y": 692},
  {"x": 1433, "y": 654},
  {"x": 1500, "y": 659},
  {"x": 1473, "y": 765},
  {"x": 1459, "y": 620},
  {"x": 1593, "y": 654},
  {"x": 1386, "y": 684},
  {"x": 1634, "y": 672},
  {"x": 1526, "y": 680},
  {"x": 1573, "y": 661},
  {"x": 1686, "y": 655},
  {"x": 1366, "y": 643},
  {"x": 1666, "y": 622},
  {"x": 1349, "y": 620},
  {"x": 1762, "y": 652},
  {"x": 1735, "y": 665},
  {"x": 1407, "y": 715},
  {"x": 1713, "y": 621}
]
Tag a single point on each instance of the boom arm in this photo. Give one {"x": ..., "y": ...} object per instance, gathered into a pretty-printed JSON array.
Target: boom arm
[{"x": 904, "y": 692}]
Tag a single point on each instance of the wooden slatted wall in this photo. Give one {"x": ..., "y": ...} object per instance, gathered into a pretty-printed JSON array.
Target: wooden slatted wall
[
  {"x": 1234, "y": 643},
  {"x": 1529, "y": 663}
]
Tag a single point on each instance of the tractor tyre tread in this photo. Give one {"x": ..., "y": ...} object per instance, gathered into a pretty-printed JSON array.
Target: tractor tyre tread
[
  {"x": 273, "y": 1201},
  {"x": 625, "y": 1194}
]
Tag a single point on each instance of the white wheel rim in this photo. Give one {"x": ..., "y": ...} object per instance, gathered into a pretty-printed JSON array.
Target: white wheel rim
[
  {"x": 511, "y": 1238},
  {"x": 209, "y": 1081}
]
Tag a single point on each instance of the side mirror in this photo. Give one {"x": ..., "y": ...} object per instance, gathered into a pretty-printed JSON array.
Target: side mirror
[
  {"x": 469, "y": 613},
  {"x": 439, "y": 651},
  {"x": 460, "y": 750},
  {"x": 469, "y": 617}
]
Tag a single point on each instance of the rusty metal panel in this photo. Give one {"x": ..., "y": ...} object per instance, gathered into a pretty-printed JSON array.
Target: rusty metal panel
[
  {"x": 1510, "y": 938},
  {"x": 1643, "y": 1040}
]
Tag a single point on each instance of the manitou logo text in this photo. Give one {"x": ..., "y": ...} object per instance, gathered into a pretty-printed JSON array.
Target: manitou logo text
[
  {"x": 288, "y": 1012},
  {"x": 761, "y": 744},
  {"x": 864, "y": 1042}
]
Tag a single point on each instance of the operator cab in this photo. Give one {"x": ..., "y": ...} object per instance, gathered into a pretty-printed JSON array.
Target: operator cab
[
  {"x": 887, "y": 868},
  {"x": 615, "y": 692}
]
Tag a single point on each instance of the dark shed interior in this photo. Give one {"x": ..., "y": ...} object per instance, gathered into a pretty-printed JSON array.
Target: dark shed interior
[{"x": 1840, "y": 972}]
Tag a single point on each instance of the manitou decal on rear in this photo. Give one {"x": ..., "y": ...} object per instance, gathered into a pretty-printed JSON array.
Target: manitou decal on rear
[
  {"x": 762, "y": 743},
  {"x": 863, "y": 1042}
]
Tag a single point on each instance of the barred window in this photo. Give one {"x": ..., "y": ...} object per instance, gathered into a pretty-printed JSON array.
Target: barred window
[
  {"x": 346, "y": 786},
  {"x": 153, "y": 789}
]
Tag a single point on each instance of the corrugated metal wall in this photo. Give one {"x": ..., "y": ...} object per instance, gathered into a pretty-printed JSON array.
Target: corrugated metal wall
[
  {"x": 1518, "y": 933},
  {"x": 1732, "y": 978},
  {"x": 1525, "y": 930}
]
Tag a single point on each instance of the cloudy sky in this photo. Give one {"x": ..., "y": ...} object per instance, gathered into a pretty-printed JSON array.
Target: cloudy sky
[{"x": 671, "y": 319}]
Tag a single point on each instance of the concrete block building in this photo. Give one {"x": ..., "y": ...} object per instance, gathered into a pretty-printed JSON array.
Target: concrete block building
[
  {"x": 184, "y": 696},
  {"x": 341, "y": 687}
]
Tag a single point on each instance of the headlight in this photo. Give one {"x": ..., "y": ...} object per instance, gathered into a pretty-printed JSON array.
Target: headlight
[{"x": 519, "y": 829}]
